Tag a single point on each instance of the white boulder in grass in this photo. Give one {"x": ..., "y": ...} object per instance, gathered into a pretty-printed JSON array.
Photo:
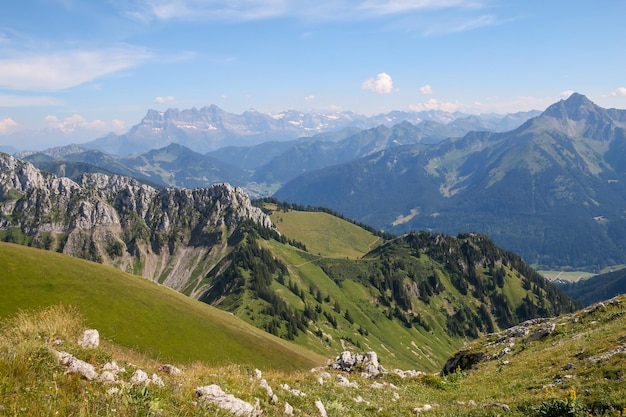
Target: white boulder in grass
[
  {"x": 229, "y": 402},
  {"x": 90, "y": 339},
  {"x": 76, "y": 366}
]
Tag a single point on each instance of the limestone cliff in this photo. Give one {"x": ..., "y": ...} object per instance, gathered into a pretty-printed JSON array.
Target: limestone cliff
[{"x": 173, "y": 236}]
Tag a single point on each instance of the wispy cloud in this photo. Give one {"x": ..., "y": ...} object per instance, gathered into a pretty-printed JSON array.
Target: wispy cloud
[
  {"x": 54, "y": 71},
  {"x": 402, "y": 6},
  {"x": 490, "y": 105},
  {"x": 28, "y": 101},
  {"x": 382, "y": 84},
  {"x": 164, "y": 99},
  {"x": 241, "y": 10},
  {"x": 434, "y": 104}
]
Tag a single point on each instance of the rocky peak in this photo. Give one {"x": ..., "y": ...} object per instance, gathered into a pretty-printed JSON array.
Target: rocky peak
[{"x": 576, "y": 107}]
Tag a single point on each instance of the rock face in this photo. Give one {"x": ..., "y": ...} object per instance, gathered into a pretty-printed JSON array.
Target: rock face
[{"x": 169, "y": 235}]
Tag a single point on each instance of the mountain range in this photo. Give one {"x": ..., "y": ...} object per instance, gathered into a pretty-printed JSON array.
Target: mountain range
[
  {"x": 552, "y": 190},
  {"x": 272, "y": 266},
  {"x": 210, "y": 128}
]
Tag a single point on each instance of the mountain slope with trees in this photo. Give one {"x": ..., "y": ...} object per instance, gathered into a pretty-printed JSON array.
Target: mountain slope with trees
[
  {"x": 420, "y": 295},
  {"x": 552, "y": 190}
]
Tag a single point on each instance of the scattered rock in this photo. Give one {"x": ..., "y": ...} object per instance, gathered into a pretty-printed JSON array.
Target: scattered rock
[
  {"x": 293, "y": 391},
  {"x": 425, "y": 407},
  {"x": 542, "y": 331},
  {"x": 76, "y": 366},
  {"x": 288, "y": 410},
  {"x": 321, "y": 408},
  {"x": 90, "y": 339},
  {"x": 229, "y": 402},
  {"x": 558, "y": 379},
  {"x": 462, "y": 360},
  {"x": 108, "y": 377},
  {"x": 344, "y": 382},
  {"x": 568, "y": 366},
  {"x": 270, "y": 392},
  {"x": 504, "y": 351},
  {"x": 368, "y": 363},
  {"x": 170, "y": 369},
  {"x": 504, "y": 407},
  {"x": 258, "y": 374},
  {"x": 156, "y": 380},
  {"x": 407, "y": 374},
  {"x": 139, "y": 377}
]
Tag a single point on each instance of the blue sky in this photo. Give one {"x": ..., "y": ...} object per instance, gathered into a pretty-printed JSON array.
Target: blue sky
[{"x": 102, "y": 64}]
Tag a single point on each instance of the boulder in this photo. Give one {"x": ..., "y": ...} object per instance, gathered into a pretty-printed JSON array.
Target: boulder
[
  {"x": 229, "y": 402},
  {"x": 76, "y": 366},
  {"x": 90, "y": 339}
]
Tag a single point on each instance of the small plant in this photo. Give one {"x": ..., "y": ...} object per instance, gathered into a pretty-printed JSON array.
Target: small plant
[{"x": 567, "y": 407}]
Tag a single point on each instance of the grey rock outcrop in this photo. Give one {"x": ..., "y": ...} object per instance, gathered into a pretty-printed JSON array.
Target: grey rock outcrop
[
  {"x": 116, "y": 220},
  {"x": 366, "y": 363}
]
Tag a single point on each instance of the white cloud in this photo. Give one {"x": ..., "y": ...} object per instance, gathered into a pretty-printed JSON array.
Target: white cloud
[
  {"x": 426, "y": 89},
  {"x": 567, "y": 93},
  {"x": 490, "y": 105},
  {"x": 74, "y": 122},
  {"x": 382, "y": 84},
  {"x": 35, "y": 71},
  {"x": 7, "y": 125},
  {"x": 434, "y": 104},
  {"x": 621, "y": 91},
  {"x": 163, "y": 100},
  {"x": 309, "y": 98}
]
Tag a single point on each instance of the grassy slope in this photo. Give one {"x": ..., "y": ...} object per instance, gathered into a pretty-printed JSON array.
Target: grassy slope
[
  {"x": 138, "y": 313},
  {"x": 405, "y": 348},
  {"x": 324, "y": 234},
  {"x": 32, "y": 382}
]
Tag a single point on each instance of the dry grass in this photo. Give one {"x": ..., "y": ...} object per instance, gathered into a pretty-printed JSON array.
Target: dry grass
[{"x": 32, "y": 383}]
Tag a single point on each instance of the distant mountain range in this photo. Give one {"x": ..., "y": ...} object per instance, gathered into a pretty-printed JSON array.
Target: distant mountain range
[
  {"x": 553, "y": 190},
  {"x": 211, "y": 128},
  {"x": 261, "y": 168}
]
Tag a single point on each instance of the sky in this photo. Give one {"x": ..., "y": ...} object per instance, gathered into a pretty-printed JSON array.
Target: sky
[{"x": 99, "y": 65}]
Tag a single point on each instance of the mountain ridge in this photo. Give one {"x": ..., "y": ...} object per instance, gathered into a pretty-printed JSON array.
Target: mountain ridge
[
  {"x": 214, "y": 245},
  {"x": 520, "y": 178}
]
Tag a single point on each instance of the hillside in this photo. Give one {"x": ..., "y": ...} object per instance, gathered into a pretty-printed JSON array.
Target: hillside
[
  {"x": 569, "y": 366},
  {"x": 324, "y": 283},
  {"x": 551, "y": 190},
  {"x": 136, "y": 313},
  {"x": 404, "y": 296}
]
